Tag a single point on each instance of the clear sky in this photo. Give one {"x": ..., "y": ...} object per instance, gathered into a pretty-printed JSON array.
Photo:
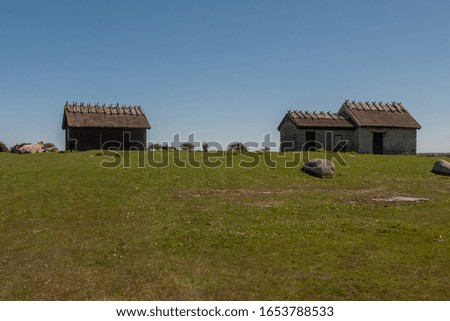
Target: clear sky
[{"x": 226, "y": 70}]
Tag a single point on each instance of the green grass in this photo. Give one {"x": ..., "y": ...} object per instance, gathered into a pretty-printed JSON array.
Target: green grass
[{"x": 72, "y": 230}]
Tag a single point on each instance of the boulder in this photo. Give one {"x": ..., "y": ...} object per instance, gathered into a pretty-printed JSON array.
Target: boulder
[
  {"x": 441, "y": 167},
  {"x": 3, "y": 147},
  {"x": 32, "y": 148},
  {"x": 52, "y": 149},
  {"x": 319, "y": 168}
]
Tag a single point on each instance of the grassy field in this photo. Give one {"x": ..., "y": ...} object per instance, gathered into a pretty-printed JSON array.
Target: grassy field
[{"x": 72, "y": 230}]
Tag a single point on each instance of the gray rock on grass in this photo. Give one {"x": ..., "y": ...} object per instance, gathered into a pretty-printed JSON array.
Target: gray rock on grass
[
  {"x": 32, "y": 148},
  {"x": 441, "y": 167},
  {"x": 322, "y": 168}
]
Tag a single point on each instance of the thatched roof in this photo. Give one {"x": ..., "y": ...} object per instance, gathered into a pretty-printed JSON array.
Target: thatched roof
[
  {"x": 106, "y": 116},
  {"x": 317, "y": 119},
  {"x": 376, "y": 114},
  {"x": 355, "y": 114}
]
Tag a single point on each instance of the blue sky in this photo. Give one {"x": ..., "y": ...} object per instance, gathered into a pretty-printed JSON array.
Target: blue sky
[{"x": 226, "y": 70}]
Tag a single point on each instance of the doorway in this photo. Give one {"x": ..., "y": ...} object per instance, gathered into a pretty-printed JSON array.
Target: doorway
[
  {"x": 310, "y": 139},
  {"x": 378, "y": 143}
]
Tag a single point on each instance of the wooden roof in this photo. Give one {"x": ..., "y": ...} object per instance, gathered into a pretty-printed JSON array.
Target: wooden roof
[
  {"x": 379, "y": 114},
  {"x": 106, "y": 116},
  {"x": 317, "y": 119}
]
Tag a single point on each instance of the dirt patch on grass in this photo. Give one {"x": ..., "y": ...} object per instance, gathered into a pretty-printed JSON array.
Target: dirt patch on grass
[
  {"x": 224, "y": 193},
  {"x": 264, "y": 204},
  {"x": 365, "y": 191},
  {"x": 388, "y": 199},
  {"x": 401, "y": 199},
  {"x": 187, "y": 195},
  {"x": 246, "y": 197}
]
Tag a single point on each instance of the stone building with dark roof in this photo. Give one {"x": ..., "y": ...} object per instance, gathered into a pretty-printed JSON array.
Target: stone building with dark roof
[
  {"x": 363, "y": 127},
  {"x": 103, "y": 126}
]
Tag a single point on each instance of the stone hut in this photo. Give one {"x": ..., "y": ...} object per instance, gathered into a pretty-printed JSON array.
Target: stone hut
[{"x": 363, "y": 127}]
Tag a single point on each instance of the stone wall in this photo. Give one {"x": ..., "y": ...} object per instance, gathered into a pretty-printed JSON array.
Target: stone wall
[
  {"x": 327, "y": 138},
  {"x": 395, "y": 140},
  {"x": 291, "y": 138},
  {"x": 290, "y": 133}
]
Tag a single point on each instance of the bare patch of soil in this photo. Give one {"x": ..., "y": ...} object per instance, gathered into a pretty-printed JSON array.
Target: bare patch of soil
[
  {"x": 224, "y": 192},
  {"x": 401, "y": 199}
]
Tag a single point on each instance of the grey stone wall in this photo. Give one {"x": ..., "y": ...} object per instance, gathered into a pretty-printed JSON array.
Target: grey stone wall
[
  {"x": 331, "y": 140},
  {"x": 290, "y": 133},
  {"x": 354, "y": 142},
  {"x": 365, "y": 140},
  {"x": 395, "y": 140}
]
